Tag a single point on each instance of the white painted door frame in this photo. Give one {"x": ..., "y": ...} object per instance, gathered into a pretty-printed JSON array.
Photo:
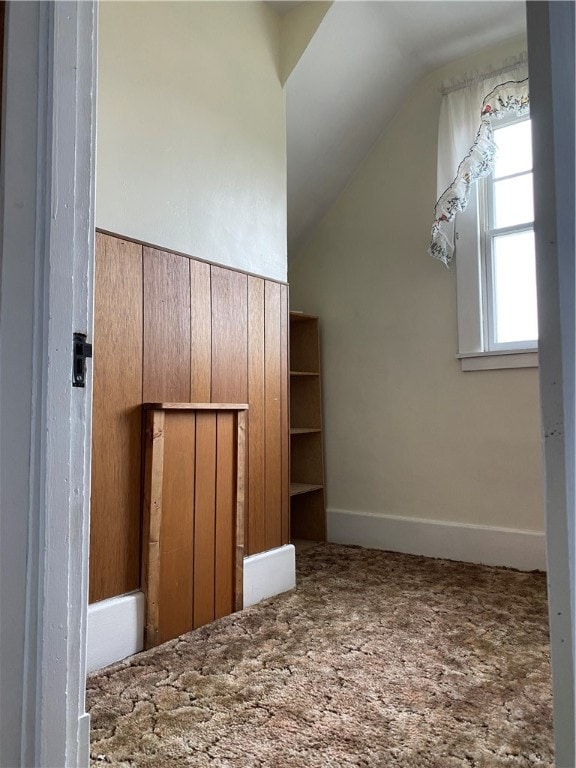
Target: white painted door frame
[
  {"x": 47, "y": 212},
  {"x": 551, "y": 65}
]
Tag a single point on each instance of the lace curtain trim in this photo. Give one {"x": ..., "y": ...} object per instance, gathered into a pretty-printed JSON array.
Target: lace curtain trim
[
  {"x": 512, "y": 96},
  {"x": 471, "y": 78}
]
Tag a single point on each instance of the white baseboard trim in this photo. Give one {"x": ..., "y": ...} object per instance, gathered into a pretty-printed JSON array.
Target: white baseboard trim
[
  {"x": 84, "y": 741},
  {"x": 269, "y": 573},
  {"x": 115, "y": 630},
  {"x": 116, "y": 626},
  {"x": 525, "y": 550}
]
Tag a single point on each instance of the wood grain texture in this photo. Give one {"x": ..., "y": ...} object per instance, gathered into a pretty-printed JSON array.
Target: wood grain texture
[
  {"x": 255, "y": 529},
  {"x": 305, "y": 402},
  {"x": 241, "y": 421},
  {"x": 200, "y": 332},
  {"x": 306, "y": 461},
  {"x": 273, "y": 410},
  {"x": 166, "y": 362},
  {"x": 285, "y": 411},
  {"x": 193, "y": 331},
  {"x": 193, "y": 542},
  {"x": 116, "y": 421},
  {"x": 229, "y": 336},
  {"x": 177, "y": 540},
  {"x": 195, "y": 406},
  {"x": 204, "y": 518},
  {"x": 304, "y": 346},
  {"x": 298, "y": 488},
  {"x": 225, "y": 513},
  {"x": 308, "y": 516},
  {"x": 307, "y": 502},
  {"x": 152, "y": 522}
]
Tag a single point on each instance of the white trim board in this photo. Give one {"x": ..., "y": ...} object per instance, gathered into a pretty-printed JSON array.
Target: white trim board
[
  {"x": 269, "y": 573},
  {"x": 115, "y": 630},
  {"x": 116, "y": 626},
  {"x": 525, "y": 550}
]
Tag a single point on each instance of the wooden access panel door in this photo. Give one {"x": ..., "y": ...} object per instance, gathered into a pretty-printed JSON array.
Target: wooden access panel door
[{"x": 193, "y": 543}]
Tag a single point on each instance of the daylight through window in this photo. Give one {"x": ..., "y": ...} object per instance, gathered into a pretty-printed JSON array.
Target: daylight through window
[{"x": 509, "y": 268}]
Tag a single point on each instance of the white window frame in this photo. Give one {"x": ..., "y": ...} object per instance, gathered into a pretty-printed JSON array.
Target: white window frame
[
  {"x": 489, "y": 234},
  {"x": 476, "y": 351}
]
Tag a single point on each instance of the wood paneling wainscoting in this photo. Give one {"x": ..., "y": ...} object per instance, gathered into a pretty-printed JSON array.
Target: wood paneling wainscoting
[
  {"x": 170, "y": 328},
  {"x": 116, "y": 419}
]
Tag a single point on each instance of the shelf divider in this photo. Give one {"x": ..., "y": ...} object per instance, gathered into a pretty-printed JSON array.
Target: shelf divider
[
  {"x": 304, "y": 431},
  {"x": 298, "y": 488},
  {"x": 304, "y": 373}
]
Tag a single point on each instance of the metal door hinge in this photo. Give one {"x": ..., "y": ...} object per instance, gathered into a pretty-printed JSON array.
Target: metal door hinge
[{"x": 80, "y": 351}]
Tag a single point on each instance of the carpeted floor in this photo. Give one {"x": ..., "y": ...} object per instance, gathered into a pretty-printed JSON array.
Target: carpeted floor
[{"x": 376, "y": 659}]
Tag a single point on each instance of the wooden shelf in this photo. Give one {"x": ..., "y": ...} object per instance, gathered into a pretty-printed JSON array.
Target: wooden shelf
[
  {"x": 296, "y": 317},
  {"x": 195, "y": 406},
  {"x": 298, "y": 488},
  {"x": 304, "y": 373},
  {"x": 303, "y": 431}
]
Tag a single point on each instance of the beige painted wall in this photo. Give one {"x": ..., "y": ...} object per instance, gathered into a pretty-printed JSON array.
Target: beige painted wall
[
  {"x": 191, "y": 151},
  {"x": 407, "y": 433},
  {"x": 298, "y": 27}
]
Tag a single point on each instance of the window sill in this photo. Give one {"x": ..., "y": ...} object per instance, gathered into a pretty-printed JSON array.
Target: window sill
[{"x": 494, "y": 361}]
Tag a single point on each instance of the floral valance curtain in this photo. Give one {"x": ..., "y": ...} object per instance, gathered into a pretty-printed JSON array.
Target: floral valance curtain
[{"x": 466, "y": 148}]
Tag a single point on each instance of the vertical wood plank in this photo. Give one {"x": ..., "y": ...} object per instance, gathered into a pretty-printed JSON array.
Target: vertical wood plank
[
  {"x": 204, "y": 515},
  {"x": 116, "y": 422},
  {"x": 152, "y": 523},
  {"x": 166, "y": 327},
  {"x": 255, "y": 518},
  {"x": 273, "y": 429},
  {"x": 177, "y": 541},
  {"x": 200, "y": 332},
  {"x": 225, "y": 513},
  {"x": 284, "y": 404},
  {"x": 241, "y": 419},
  {"x": 229, "y": 336}
]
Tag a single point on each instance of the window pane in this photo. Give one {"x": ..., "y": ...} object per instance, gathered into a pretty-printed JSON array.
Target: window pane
[
  {"x": 514, "y": 277},
  {"x": 513, "y": 202},
  {"x": 514, "y": 149}
]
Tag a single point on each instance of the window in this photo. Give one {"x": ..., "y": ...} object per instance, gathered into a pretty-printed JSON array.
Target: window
[
  {"x": 496, "y": 270},
  {"x": 508, "y": 245}
]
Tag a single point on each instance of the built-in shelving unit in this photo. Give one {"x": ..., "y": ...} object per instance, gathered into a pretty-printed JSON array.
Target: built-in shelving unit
[{"x": 307, "y": 504}]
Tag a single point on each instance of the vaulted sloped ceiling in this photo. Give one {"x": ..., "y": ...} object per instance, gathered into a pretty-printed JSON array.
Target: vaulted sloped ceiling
[{"x": 353, "y": 76}]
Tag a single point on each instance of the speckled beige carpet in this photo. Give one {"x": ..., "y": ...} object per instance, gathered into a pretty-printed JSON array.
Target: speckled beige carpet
[{"x": 376, "y": 659}]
